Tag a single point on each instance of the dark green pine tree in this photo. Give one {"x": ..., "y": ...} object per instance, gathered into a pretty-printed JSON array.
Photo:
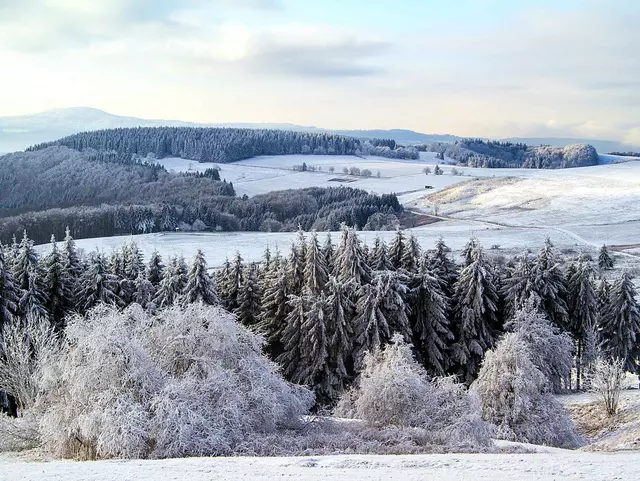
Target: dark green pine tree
[
  {"x": 341, "y": 311},
  {"x": 315, "y": 270},
  {"x": 411, "y": 255},
  {"x": 250, "y": 298},
  {"x": 200, "y": 287},
  {"x": 584, "y": 316},
  {"x": 621, "y": 326},
  {"x": 9, "y": 293},
  {"x": 396, "y": 249},
  {"x": 379, "y": 258},
  {"x": 475, "y": 323},
  {"x": 444, "y": 268},
  {"x": 275, "y": 309},
  {"x": 58, "y": 286},
  {"x": 155, "y": 269},
  {"x": 429, "y": 324},
  {"x": 605, "y": 261},
  {"x": 291, "y": 357}
]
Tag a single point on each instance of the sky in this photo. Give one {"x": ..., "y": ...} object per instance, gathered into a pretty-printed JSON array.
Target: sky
[{"x": 491, "y": 68}]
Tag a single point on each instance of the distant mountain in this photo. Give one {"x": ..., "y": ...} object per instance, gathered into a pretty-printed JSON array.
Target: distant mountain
[{"x": 20, "y": 132}]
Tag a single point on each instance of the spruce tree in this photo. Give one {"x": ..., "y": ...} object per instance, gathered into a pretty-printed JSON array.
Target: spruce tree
[
  {"x": 315, "y": 271},
  {"x": 396, "y": 249},
  {"x": 621, "y": 326},
  {"x": 328, "y": 251},
  {"x": 584, "y": 316},
  {"x": 314, "y": 370},
  {"x": 429, "y": 324},
  {"x": 550, "y": 286},
  {"x": 133, "y": 261},
  {"x": 291, "y": 356},
  {"x": 604, "y": 300},
  {"x": 341, "y": 310},
  {"x": 155, "y": 269},
  {"x": 274, "y": 311},
  {"x": 58, "y": 285},
  {"x": 182, "y": 272},
  {"x": 97, "y": 284},
  {"x": 200, "y": 286},
  {"x": 9, "y": 293},
  {"x": 231, "y": 283},
  {"x": 411, "y": 254},
  {"x": 72, "y": 266},
  {"x": 170, "y": 289},
  {"x": 475, "y": 324},
  {"x": 25, "y": 263},
  {"x": 468, "y": 250},
  {"x": 444, "y": 268},
  {"x": 295, "y": 270},
  {"x": 605, "y": 261},
  {"x": 145, "y": 292},
  {"x": 379, "y": 258},
  {"x": 351, "y": 262},
  {"x": 519, "y": 284},
  {"x": 249, "y": 299}
]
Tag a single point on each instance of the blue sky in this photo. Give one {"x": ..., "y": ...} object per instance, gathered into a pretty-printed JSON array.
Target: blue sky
[{"x": 492, "y": 68}]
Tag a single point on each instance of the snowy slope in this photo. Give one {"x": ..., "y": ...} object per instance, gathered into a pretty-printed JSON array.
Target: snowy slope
[{"x": 554, "y": 465}]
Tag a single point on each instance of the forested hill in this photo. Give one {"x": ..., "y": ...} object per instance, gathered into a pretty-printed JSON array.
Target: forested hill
[
  {"x": 482, "y": 153},
  {"x": 223, "y": 144},
  {"x": 97, "y": 194}
]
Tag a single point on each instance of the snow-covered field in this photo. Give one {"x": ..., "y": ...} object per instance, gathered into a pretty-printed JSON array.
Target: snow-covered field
[{"x": 555, "y": 464}]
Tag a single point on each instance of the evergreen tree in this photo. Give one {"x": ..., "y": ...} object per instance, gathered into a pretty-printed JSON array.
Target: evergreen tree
[
  {"x": 379, "y": 258},
  {"x": 274, "y": 312},
  {"x": 72, "y": 266},
  {"x": 133, "y": 261},
  {"x": 145, "y": 292},
  {"x": 291, "y": 356},
  {"x": 315, "y": 271},
  {"x": 444, "y": 268},
  {"x": 351, "y": 262},
  {"x": 266, "y": 260},
  {"x": 475, "y": 324},
  {"x": 584, "y": 315},
  {"x": 182, "y": 272},
  {"x": 170, "y": 290},
  {"x": 25, "y": 263},
  {"x": 314, "y": 369},
  {"x": 9, "y": 293},
  {"x": 295, "y": 271},
  {"x": 621, "y": 326},
  {"x": 97, "y": 284},
  {"x": 155, "y": 269},
  {"x": 396, "y": 250},
  {"x": 468, "y": 250},
  {"x": 604, "y": 300},
  {"x": 328, "y": 251},
  {"x": 550, "y": 286},
  {"x": 340, "y": 331},
  {"x": 411, "y": 254},
  {"x": 200, "y": 286},
  {"x": 232, "y": 283},
  {"x": 58, "y": 285},
  {"x": 429, "y": 323},
  {"x": 249, "y": 299},
  {"x": 519, "y": 284},
  {"x": 605, "y": 261}
]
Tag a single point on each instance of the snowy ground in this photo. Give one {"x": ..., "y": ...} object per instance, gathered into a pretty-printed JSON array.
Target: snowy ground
[{"x": 553, "y": 465}]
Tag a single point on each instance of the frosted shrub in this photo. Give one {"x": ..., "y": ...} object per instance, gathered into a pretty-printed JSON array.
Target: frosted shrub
[
  {"x": 394, "y": 390},
  {"x": 182, "y": 382},
  {"x": 516, "y": 397},
  {"x": 606, "y": 380}
]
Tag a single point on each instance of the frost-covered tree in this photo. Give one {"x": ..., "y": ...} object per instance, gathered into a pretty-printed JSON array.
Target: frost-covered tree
[
  {"x": 274, "y": 310},
  {"x": 550, "y": 349},
  {"x": 584, "y": 316},
  {"x": 429, "y": 323},
  {"x": 605, "y": 261},
  {"x": 9, "y": 293},
  {"x": 314, "y": 342},
  {"x": 291, "y": 356},
  {"x": 197, "y": 385},
  {"x": 315, "y": 270},
  {"x": 231, "y": 282},
  {"x": 604, "y": 299},
  {"x": 468, "y": 250},
  {"x": 411, "y": 254},
  {"x": 97, "y": 285},
  {"x": 394, "y": 390},
  {"x": 396, "y": 249},
  {"x": 379, "y": 258},
  {"x": 25, "y": 262},
  {"x": 169, "y": 291},
  {"x": 200, "y": 286},
  {"x": 328, "y": 251},
  {"x": 516, "y": 398},
  {"x": 519, "y": 284},
  {"x": 145, "y": 292},
  {"x": 443, "y": 267},
  {"x": 621, "y": 325},
  {"x": 351, "y": 261},
  {"x": 182, "y": 271},
  {"x": 155, "y": 269},
  {"x": 59, "y": 292},
  {"x": 340, "y": 312},
  {"x": 550, "y": 286},
  {"x": 475, "y": 323},
  {"x": 133, "y": 261},
  {"x": 249, "y": 299},
  {"x": 295, "y": 270}
]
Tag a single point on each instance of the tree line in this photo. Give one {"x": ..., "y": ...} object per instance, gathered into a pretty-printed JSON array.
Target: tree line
[
  {"x": 495, "y": 154},
  {"x": 322, "y": 306},
  {"x": 99, "y": 196},
  {"x": 222, "y": 144}
]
